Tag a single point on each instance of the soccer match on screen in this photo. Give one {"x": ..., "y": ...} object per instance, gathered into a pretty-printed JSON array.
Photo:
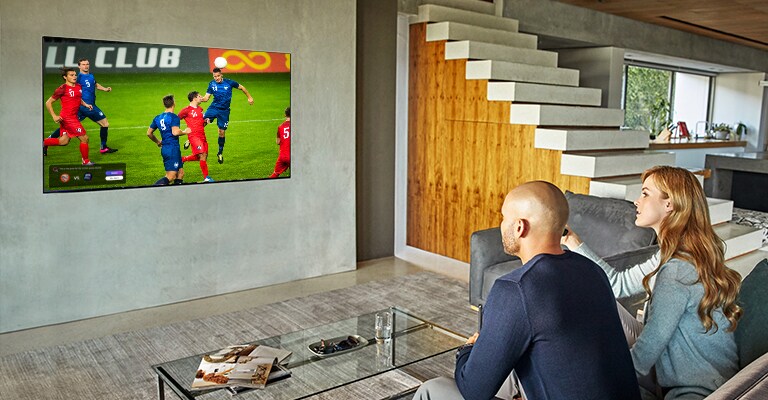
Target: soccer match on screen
[{"x": 123, "y": 115}]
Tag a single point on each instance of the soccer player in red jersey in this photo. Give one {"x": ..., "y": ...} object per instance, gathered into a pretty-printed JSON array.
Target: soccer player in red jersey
[
  {"x": 193, "y": 116},
  {"x": 284, "y": 141},
  {"x": 71, "y": 95}
]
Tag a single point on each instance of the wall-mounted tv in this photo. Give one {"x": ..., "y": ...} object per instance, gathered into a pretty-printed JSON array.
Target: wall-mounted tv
[{"x": 109, "y": 121}]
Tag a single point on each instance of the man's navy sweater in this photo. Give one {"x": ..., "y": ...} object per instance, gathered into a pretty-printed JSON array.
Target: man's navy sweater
[{"x": 553, "y": 321}]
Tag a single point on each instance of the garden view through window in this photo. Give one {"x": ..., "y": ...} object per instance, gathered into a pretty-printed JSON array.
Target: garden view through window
[{"x": 655, "y": 99}]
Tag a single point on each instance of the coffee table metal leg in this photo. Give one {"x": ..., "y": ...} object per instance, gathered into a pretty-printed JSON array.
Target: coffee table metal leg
[{"x": 160, "y": 388}]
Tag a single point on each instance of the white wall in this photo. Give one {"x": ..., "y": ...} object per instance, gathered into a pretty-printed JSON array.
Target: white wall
[
  {"x": 65, "y": 257},
  {"x": 739, "y": 98}
]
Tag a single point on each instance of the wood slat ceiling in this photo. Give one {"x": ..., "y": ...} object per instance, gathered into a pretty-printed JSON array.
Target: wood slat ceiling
[{"x": 739, "y": 21}]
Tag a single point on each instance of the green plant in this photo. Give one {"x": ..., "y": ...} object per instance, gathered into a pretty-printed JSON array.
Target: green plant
[
  {"x": 644, "y": 85},
  {"x": 721, "y": 127},
  {"x": 658, "y": 116},
  {"x": 741, "y": 130}
]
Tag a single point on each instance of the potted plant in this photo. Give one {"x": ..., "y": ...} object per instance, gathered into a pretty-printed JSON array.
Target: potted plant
[
  {"x": 720, "y": 131},
  {"x": 741, "y": 130},
  {"x": 659, "y": 116}
]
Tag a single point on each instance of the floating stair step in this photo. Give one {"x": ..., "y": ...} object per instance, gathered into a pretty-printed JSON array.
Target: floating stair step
[
  {"x": 589, "y": 139},
  {"x": 467, "y": 49},
  {"x": 474, "y": 6},
  {"x": 739, "y": 239},
  {"x": 720, "y": 210},
  {"x": 456, "y": 31},
  {"x": 625, "y": 188},
  {"x": 508, "y": 71},
  {"x": 628, "y": 188},
  {"x": 548, "y": 94},
  {"x": 744, "y": 264},
  {"x": 436, "y": 13},
  {"x": 555, "y": 115},
  {"x": 604, "y": 164}
]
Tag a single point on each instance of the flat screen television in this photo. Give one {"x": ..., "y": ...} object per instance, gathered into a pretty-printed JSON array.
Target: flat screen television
[{"x": 246, "y": 140}]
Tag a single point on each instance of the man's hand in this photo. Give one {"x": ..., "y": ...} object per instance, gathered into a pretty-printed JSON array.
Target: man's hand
[
  {"x": 57, "y": 118},
  {"x": 108, "y": 89},
  {"x": 187, "y": 131},
  {"x": 250, "y": 100},
  {"x": 160, "y": 143},
  {"x": 88, "y": 106},
  {"x": 472, "y": 339}
]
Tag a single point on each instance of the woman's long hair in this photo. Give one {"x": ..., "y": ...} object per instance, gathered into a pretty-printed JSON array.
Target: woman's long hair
[{"x": 686, "y": 233}]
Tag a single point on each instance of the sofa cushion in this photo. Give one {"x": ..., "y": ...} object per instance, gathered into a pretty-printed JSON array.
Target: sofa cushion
[
  {"x": 486, "y": 251},
  {"x": 606, "y": 225},
  {"x": 496, "y": 271},
  {"x": 751, "y": 337},
  {"x": 625, "y": 260}
]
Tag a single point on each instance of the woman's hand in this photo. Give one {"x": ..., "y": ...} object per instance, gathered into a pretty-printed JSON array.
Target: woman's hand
[{"x": 570, "y": 239}]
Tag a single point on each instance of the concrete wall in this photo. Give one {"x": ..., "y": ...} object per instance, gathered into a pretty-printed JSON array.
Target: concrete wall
[
  {"x": 599, "y": 67},
  {"x": 376, "y": 58},
  {"x": 65, "y": 257},
  {"x": 738, "y": 98}
]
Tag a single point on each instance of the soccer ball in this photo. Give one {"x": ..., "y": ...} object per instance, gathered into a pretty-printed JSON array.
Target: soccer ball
[{"x": 220, "y": 62}]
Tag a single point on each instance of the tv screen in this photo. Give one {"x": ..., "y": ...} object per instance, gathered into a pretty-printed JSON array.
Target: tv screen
[{"x": 109, "y": 121}]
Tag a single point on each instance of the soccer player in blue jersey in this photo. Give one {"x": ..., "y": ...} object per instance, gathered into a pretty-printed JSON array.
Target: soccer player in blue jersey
[
  {"x": 221, "y": 90},
  {"x": 168, "y": 124},
  {"x": 88, "y": 82}
]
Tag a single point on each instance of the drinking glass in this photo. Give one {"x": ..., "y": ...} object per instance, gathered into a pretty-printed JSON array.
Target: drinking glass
[{"x": 383, "y": 326}]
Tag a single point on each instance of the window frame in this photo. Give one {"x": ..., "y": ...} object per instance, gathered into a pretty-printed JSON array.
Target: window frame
[{"x": 674, "y": 70}]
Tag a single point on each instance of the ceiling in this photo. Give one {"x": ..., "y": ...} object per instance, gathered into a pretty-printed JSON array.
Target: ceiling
[{"x": 738, "y": 21}]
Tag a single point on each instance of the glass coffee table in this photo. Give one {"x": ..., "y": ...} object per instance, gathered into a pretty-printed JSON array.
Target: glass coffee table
[{"x": 413, "y": 339}]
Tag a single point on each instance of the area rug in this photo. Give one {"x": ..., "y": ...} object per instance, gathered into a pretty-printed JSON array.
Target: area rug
[{"x": 119, "y": 366}]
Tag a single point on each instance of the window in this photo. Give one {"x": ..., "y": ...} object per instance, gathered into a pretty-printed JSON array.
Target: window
[
  {"x": 655, "y": 98},
  {"x": 691, "y": 100}
]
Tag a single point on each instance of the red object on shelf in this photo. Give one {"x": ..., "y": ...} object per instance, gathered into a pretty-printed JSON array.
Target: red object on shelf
[{"x": 683, "y": 130}]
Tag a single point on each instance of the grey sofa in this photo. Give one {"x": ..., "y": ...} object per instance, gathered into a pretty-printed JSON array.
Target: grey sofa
[
  {"x": 607, "y": 226},
  {"x": 752, "y": 341}
]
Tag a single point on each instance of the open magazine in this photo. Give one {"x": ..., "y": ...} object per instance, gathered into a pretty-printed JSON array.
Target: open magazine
[
  {"x": 277, "y": 373},
  {"x": 246, "y": 366}
]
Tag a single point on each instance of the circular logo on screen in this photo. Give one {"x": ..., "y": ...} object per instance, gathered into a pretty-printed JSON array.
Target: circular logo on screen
[{"x": 64, "y": 178}]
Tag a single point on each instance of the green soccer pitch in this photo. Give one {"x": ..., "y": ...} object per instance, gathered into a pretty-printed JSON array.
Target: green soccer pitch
[{"x": 250, "y": 151}]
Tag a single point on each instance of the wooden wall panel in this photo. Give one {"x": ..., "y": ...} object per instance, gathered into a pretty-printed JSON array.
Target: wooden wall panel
[{"x": 463, "y": 154}]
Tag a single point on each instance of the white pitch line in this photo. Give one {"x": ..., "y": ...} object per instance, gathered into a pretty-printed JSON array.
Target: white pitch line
[{"x": 231, "y": 122}]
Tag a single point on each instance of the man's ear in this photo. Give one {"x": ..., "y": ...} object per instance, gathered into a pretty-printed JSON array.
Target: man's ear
[{"x": 522, "y": 227}]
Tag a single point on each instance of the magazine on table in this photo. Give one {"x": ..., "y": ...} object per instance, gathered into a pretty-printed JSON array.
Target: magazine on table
[
  {"x": 247, "y": 366},
  {"x": 277, "y": 373}
]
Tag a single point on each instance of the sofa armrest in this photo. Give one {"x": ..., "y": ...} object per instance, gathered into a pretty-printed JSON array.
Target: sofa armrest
[
  {"x": 486, "y": 250},
  {"x": 749, "y": 383}
]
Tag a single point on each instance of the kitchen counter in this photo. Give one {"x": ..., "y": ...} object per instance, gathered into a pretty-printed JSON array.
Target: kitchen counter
[
  {"x": 741, "y": 177},
  {"x": 697, "y": 143}
]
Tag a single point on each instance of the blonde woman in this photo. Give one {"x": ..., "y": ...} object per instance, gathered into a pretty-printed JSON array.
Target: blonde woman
[{"x": 687, "y": 334}]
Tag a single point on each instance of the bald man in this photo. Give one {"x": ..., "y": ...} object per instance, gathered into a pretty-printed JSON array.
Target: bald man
[{"x": 553, "y": 321}]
